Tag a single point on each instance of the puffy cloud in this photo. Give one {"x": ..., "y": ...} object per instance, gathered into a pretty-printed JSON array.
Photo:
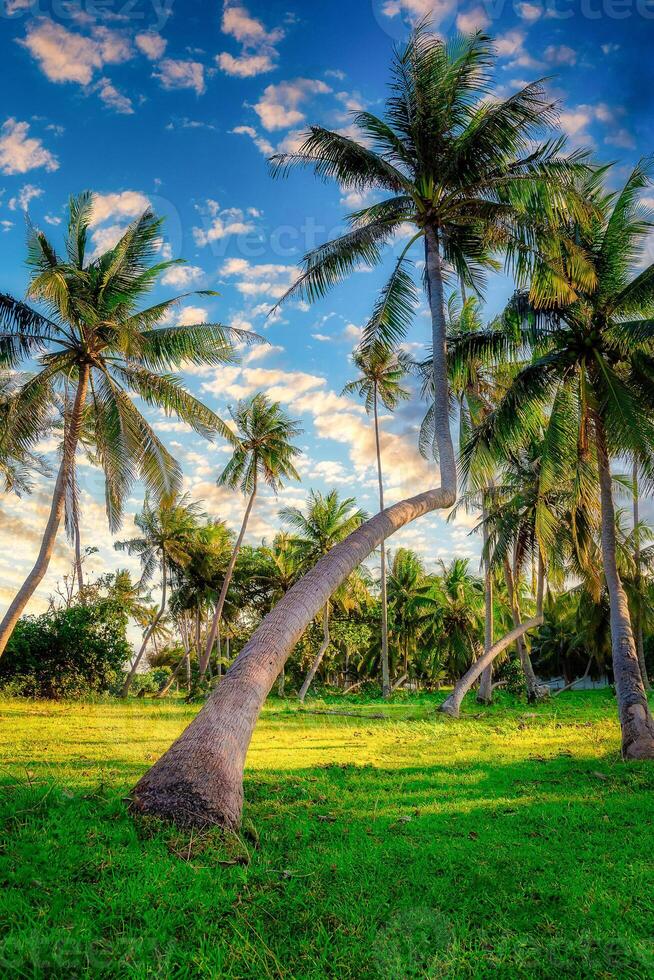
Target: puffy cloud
[
  {"x": 123, "y": 204},
  {"x": 265, "y": 279},
  {"x": 20, "y": 152},
  {"x": 260, "y": 142},
  {"x": 415, "y": 10},
  {"x": 560, "y": 54},
  {"x": 258, "y": 46},
  {"x": 26, "y": 194},
  {"x": 181, "y": 74},
  {"x": 113, "y": 98},
  {"x": 66, "y": 56},
  {"x": 151, "y": 44},
  {"x": 278, "y": 107},
  {"x": 182, "y": 275},
  {"x": 530, "y": 12},
  {"x": 475, "y": 19},
  {"x": 190, "y": 315},
  {"x": 510, "y": 46},
  {"x": 220, "y": 223}
]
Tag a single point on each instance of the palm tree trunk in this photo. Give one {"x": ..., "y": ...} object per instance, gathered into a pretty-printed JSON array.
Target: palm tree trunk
[
  {"x": 485, "y": 692},
  {"x": 124, "y": 691},
  {"x": 638, "y": 616},
  {"x": 534, "y": 689},
  {"x": 228, "y": 578},
  {"x": 40, "y": 567},
  {"x": 386, "y": 680},
  {"x": 452, "y": 704},
  {"x": 635, "y": 717},
  {"x": 199, "y": 780},
  {"x": 167, "y": 684},
  {"x": 78, "y": 550},
  {"x": 318, "y": 658}
]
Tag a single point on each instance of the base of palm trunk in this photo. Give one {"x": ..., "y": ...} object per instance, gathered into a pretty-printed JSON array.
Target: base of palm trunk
[
  {"x": 449, "y": 708},
  {"x": 637, "y": 733},
  {"x": 539, "y": 693},
  {"x": 185, "y": 804}
]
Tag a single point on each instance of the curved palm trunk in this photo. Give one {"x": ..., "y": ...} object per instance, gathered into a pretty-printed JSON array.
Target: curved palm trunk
[
  {"x": 124, "y": 691},
  {"x": 199, "y": 780},
  {"x": 452, "y": 704},
  {"x": 485, "y": 692},
  {"x": 638, "y": 618},
  {"x": 308, "y": 680},
  {"x": 211, "y": 639},
  {"x": 40, "y": 567},
  {"x": 386, "y": 679},
  {"x": 534, "y": 689},
  {"x": 635, "y": 717}
]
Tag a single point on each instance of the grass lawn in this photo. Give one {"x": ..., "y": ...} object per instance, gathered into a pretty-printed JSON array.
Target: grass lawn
[{"x": 511, "y": 843}]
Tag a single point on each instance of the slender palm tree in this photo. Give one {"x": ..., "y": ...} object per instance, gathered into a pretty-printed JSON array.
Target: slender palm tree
[
  {"x": 264, "y": 451},
  {"x": 327, "y": 520},
  {"x": 95, "y": 337},
  {"x": 593, "y": 364},
  {"x": 467, "y": 171},
  {"x": 167, "y": 532},
  {"x": 381, "y": 373},
  {"x": 638, "y": 618},
  {"x": 407, "y": 586}
]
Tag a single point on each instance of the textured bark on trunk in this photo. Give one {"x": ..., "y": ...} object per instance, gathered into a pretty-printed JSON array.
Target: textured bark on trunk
[
  {"x": 386, "y": 679},
  {"x": 485, "y": 692},
  {"x": 33, "y": 580},
  {"x": 638, "y": 617},
  {"x": 124, "y": 691},
  {"x": 225, "y": 586},
  {"x": 199, "y": 780},
  {"x": 308, "y": 680},
  {"x": 635, "y": 717},
  {"x": 452, "y": 704}
]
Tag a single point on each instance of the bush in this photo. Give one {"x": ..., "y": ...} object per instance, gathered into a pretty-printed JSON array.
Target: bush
[{"x": 67, "y": 653}]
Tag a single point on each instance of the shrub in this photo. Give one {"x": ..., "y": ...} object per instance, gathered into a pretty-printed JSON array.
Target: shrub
[{"x": 67, "y": 653}]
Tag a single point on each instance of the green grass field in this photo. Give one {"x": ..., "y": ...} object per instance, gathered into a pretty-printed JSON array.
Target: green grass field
[{"x": 511, "y": 843}]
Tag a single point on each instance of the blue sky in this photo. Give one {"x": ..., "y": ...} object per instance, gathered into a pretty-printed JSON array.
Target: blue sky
[{"x": 176, "y": 105}]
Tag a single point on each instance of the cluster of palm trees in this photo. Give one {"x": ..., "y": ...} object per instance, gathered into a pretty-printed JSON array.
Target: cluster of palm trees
[{"x": 546, "y": 397}]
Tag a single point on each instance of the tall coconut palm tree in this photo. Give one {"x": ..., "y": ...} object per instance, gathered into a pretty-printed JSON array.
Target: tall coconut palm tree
[
  {"x": 280, "y": 572},
  {"x": 593, "y": 364},
  {"x": 381, "y": 373},
  {"x": 94, "y": 336},
  {"x": 264, "y": 451},
  {"x": 327, "y": 520},
  {"x": 638, "y": 618},
  {"x": 167, "y": 532},
  {"x": 407, "y": 586},
  {"x": 467, "y": 172}
]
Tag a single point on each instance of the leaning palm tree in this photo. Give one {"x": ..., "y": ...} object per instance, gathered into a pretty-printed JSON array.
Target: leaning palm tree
[
  {"x": 94, "y": 336},
  {"x": 166, "y": 540},
  {"x": 381, "y": 373},
  {"x": 593, "y": 365},
  {"x": 327, "y": 521},
  {"x": 264, "y": 451},
  {"x": 469, "y": 174}
]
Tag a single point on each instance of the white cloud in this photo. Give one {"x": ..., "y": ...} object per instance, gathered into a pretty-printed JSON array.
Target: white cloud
[
  {"x": 113, "y": 98},
  {"x": 322, "y": 337},
  {"x": 258, "y": 46},
  {"x": 151, "y": 44},
  {"x": 560, "y": 54},
  {"x": 124, "y": 204},
  {"x": 20, "y": 152},
  {"x": 6, "y": 225},
  {"x": 278, "y": 107},
  {"x": 529, "y": 11},
  {"x": 52, "y": 219},
  {"x": 181, "y": 74},
  {"x": 472, "y": 20},
  {"x": 221, "y": 223},
  {"x": 182, "y": 275},
  {"x": 260, "y": 352},
  {"x": 510, "y": 46},
  {"x": 190, "y": 315},
  {"x": 265, "y": 279},
  {"x": 65, "y": 56},
  {"x": 26, "y": 194},
  {"x": 576, "y": 120},
  {"x": 260, "y": 142},
  {"x": 414, "y": 10}
]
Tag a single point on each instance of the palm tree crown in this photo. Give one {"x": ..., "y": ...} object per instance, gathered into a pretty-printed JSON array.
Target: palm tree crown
[
  {"x": 264, "y": 448},
  {"x": 327, "y": 520}
]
